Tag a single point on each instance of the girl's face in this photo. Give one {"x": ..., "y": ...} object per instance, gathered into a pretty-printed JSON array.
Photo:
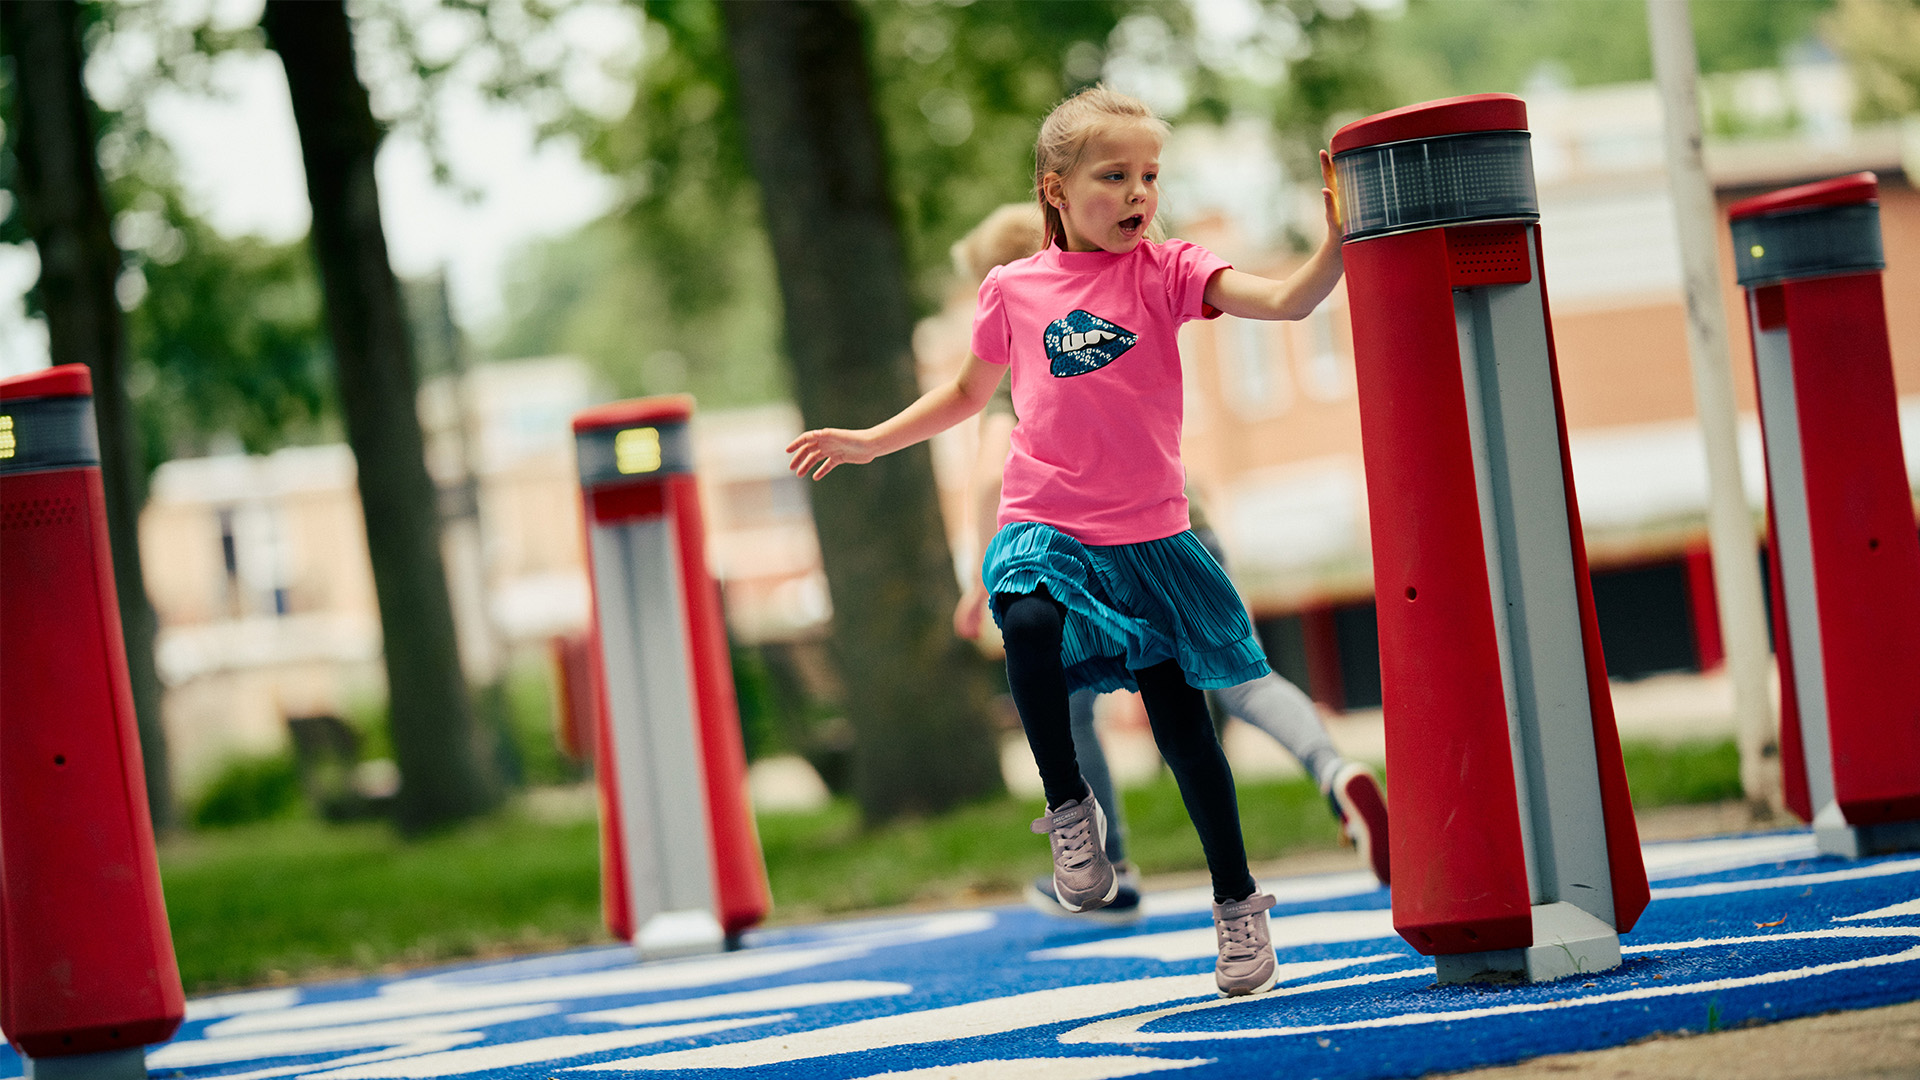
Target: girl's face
[{"x": 1107, "y": 201}]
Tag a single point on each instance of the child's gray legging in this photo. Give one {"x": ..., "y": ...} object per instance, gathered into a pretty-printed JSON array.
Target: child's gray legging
[
  {"x": 1285, "y": 712},
  {"x": 1269, "y": 703}
]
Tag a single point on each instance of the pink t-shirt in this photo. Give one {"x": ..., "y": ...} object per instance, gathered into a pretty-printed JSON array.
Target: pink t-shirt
[{"x": 1092, "y": 337}]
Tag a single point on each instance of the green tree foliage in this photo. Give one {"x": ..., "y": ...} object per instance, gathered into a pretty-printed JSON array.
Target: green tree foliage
[
  {"x": 960, "y": 90},
  {"x": 1338, "y": 74},
  {"x": 1881, "y": 39},
  {"x": 1442, "y": 47},
  {"x": 675, "y": 289},
  {"x": 226, "y": 338},
  {"x": 224, "y": 334}
]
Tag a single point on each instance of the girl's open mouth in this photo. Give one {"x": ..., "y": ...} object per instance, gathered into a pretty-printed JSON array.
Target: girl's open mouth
[{"x": 1132, "y": 224}]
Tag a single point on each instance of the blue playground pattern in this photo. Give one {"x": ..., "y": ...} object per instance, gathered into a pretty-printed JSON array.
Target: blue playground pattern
[{"x": 1742, "y": 929}]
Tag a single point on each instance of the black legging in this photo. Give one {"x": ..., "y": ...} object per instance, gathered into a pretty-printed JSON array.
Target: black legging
[{"x": 1032, "y": 625}]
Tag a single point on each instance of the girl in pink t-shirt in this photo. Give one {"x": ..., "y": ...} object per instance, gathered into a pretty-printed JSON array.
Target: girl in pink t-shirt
[{"x": 1096, "y": 579}]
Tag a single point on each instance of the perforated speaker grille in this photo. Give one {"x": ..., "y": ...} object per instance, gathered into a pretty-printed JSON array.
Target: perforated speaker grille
[
  {"x": 38, "y": 513},
  {"x": 1489, "y": 255}
]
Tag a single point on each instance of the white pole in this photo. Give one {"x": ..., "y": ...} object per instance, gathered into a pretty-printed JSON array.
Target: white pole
[{"x": 1730, "y": 528}]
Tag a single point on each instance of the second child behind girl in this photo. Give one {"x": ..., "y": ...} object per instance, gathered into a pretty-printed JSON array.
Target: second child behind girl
[{"x": 1096, "y": 578}]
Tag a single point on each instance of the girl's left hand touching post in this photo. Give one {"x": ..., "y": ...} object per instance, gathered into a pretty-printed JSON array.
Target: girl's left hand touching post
[
  {"x": 1326, "y": 193},
  {"x": 821, "y": 450}
]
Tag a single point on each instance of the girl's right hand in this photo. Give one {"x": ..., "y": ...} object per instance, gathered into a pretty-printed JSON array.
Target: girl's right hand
[
  {"x": 820, "y": 451},
  {"x": 970, "y": 613}
]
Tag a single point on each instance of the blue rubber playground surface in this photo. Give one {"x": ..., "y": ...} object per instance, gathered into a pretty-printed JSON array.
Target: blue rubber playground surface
[{"x": 1753, "y": 928}]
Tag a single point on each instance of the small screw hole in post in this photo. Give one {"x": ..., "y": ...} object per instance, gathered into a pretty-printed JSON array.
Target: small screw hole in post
[
  {"x": 59, "y": 759},
  {"x": 1471, "y": 936},
  {"x": 1873, "y": 543},
  {"x": 1412, "y": 592}
]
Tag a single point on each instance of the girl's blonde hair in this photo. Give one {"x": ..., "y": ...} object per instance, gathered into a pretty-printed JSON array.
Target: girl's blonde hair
[
  {"x": 1064, "y": 135},
  {"x": 1012, "y": 232}
]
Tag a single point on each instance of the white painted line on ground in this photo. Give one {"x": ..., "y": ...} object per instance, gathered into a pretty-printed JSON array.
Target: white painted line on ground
[
  {"x": 991, "y": 1017},
  {"x": 253, "y": 1046},
  {"x": 1049, "y": 1068},
  {"x": 412, "y": 1049},
  {"x": 531, "y": 1051},
  {"x": 1851, "y": 873},
  {"x": 212, "y": 1008},
  {"x": 1126, "y": 1029},
  {"x": 749, "y": 1001},
  {"x": 1691, "y": 858},
  {"x": 451, "y": 997},
  {"x": 420, "y": 997},
  {"x": 1911, "y": 907}
]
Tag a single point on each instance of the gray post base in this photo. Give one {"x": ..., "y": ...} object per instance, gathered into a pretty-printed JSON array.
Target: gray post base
[
  {"x": 1566, "y": 941},
  {"x": 679, "y": 933},
  {"x": 127, "y": 1064},
  {"x": 1833, "y": 836}
]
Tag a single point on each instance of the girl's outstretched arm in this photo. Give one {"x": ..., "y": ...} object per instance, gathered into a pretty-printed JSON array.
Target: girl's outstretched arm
[
  {"x": 1250, "y": 296},
  {"x": 820, "y": 451}
]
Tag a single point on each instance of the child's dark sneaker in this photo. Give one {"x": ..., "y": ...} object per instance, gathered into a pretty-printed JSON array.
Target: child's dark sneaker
[
  {"x": 1083, "y": 879},
  {"x": 1123, "y": 908},
  {"x": 1246, "y": 964},
  {"x": 1362, "y": 810}
]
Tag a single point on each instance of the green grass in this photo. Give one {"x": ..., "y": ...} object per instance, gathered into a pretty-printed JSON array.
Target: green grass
[
  {"x": 275, "y": 900},
  {"x": 289, "y": 899},
  {"x": 1668, "y": 774}
]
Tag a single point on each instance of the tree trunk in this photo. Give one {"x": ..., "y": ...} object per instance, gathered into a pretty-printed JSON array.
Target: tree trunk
[
  {"x": 918, "y": 698},
  {"x": 65, "y": 212},
  {"x": 445, "y": 773}
]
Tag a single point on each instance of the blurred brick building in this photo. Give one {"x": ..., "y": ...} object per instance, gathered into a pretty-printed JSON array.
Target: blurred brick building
[{"x": 259, "y": 572}]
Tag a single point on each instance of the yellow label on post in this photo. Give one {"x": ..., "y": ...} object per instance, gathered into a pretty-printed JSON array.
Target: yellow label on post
[
  {"x": 637, "y": 450},
  {"x": 6, "y": 437},
  {"x": 1757, "y": 251}
]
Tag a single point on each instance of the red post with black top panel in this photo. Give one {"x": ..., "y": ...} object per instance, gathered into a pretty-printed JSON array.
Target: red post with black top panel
[
  {"x": 1514, "y": 854},
  {"x": 681, "y": 870},
  {"x": 1844, "y": 554},
  {"x": 87, "y": 970}
]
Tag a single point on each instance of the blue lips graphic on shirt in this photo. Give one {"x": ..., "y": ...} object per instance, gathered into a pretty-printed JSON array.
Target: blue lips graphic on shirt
[{"x": 1084, "y": 342}]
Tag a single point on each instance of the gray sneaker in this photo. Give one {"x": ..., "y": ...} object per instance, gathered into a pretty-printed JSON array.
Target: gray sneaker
[
  {"x": 1083, "y": 879},
  {"x": 1122, "y": 909},
  {"x": 1246, "y": 964}
]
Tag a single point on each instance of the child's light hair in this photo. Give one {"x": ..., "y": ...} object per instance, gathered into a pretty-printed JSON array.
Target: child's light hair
[
  {"x": 1012, "y": 232},
  {"x": 1064, "y": 135}
]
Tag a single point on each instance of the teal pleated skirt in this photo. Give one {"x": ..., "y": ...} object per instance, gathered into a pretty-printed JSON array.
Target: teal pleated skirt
[{"x": 1130, "y": 606}]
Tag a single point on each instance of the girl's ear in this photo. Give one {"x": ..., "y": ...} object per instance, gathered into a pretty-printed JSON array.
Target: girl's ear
[{"x": 1050, "y": 189}]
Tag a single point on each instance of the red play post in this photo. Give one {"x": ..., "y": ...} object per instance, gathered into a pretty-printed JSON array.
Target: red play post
[
  {"x": 87, "y": 973},
  {"x": 576, "y": 694},
  {"x": 1515, "y": 855},
  {"x": 681, "y": 868},
  {"x": 1844, "y": 557}
]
